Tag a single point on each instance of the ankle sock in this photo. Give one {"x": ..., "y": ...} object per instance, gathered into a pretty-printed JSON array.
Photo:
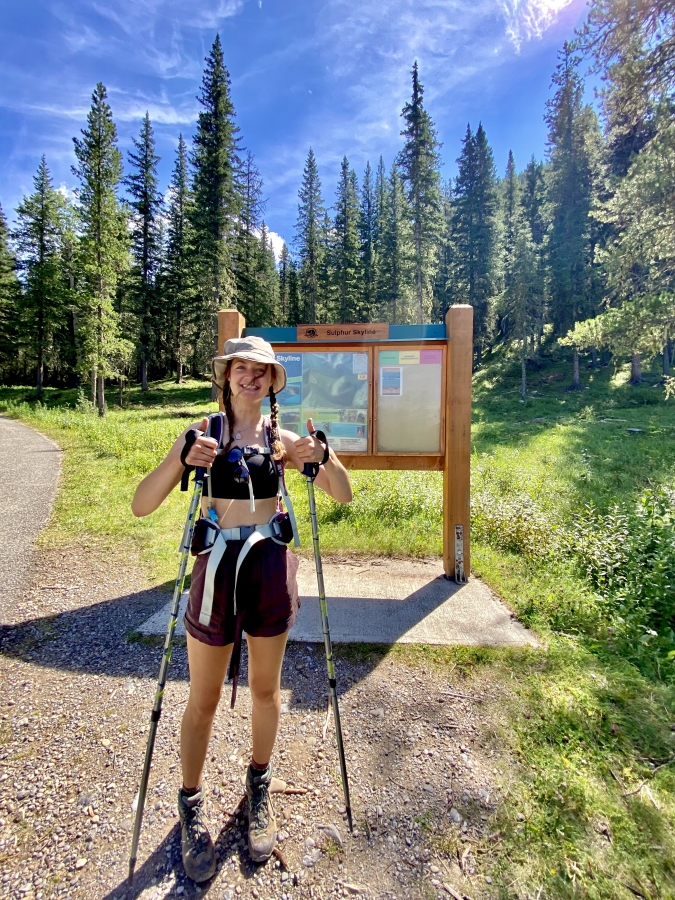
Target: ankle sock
[
  {"x": 190, "y": 792},
  {"x": 257, "y": 768}
]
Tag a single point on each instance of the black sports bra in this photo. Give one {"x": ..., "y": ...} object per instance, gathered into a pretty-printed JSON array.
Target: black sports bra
[{"x": 264, "y": 476}]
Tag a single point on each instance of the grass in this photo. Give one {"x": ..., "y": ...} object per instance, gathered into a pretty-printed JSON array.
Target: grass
[{"x": 588, "y": 725}]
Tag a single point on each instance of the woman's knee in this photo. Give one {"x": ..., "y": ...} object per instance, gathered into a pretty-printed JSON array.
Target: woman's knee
[
  {"x": 265, "y": 695},
  {"x": 202, "y": 706}
]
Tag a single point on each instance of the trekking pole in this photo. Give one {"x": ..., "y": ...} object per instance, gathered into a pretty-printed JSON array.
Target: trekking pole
[
  {"x": 164, "y": 665},
  {"x": 310, "y": 471}
]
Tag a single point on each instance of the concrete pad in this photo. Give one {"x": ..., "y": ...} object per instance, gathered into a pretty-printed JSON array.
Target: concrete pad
[{"x": 392, "y": 601}]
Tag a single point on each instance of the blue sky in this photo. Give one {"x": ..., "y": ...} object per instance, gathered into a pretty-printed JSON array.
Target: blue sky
[{"x": 333, "y": 74}]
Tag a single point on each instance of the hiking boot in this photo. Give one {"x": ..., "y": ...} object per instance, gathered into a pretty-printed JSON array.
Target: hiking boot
[
  {"x": 199, "y": 856},
  {"x": 262, "y": 826}
]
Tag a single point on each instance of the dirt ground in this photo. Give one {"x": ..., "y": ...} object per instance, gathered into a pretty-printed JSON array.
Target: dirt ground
[{"x": 75, "y": 698}]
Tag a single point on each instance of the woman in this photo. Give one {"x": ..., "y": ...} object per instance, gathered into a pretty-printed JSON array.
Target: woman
[{"x": 243, "y": 493}]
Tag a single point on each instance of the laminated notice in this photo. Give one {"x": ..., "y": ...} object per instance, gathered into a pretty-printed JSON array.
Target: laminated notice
[{"x": 391, "y": 381}]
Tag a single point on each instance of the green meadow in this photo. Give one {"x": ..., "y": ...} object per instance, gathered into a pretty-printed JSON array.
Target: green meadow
[{"x": 573, "y": 518}]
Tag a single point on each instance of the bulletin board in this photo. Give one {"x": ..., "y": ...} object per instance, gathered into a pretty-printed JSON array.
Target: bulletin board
[
  {"x": 388, "y": 397},
  {"x": 409, "y": 400}
]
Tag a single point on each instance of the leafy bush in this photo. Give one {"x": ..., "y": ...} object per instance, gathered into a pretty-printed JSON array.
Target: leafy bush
[{"x": 629, "y": 557}]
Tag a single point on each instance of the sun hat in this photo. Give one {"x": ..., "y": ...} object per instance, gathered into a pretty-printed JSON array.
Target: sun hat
[{"x": 253, "y": 348}]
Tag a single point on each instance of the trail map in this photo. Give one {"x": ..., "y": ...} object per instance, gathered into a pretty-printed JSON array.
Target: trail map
[{"x": 332, "y": 389}]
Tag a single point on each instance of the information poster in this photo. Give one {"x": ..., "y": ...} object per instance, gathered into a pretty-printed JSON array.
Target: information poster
[
  {"x": 332, "y": 390},
  {"x": 409, "y": 401}
]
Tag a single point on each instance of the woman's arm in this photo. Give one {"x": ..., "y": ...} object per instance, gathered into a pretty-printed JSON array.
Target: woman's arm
[
  {"x": 333, "y": 478},
  {"x": 156, "y": 487}
]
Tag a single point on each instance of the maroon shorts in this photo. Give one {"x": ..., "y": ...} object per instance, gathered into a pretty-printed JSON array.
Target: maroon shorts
[{"x": 267, "y": 593}]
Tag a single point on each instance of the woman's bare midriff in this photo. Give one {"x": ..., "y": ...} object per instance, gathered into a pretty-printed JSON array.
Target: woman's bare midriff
[{"x": 232, "y": 513}]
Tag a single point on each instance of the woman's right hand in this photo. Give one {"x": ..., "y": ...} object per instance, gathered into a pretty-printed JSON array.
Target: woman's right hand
[{"x": 204, "y": 450}]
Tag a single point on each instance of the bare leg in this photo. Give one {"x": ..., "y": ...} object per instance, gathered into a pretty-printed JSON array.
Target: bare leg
[
  {"x": 265, "y": 656},
  {"x": 208, "y": 666}
]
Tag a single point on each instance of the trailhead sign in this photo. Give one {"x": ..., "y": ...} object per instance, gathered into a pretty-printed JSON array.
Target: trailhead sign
[{"x": 387, "y": 397}]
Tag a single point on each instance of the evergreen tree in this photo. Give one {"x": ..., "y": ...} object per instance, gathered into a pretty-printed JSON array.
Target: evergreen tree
[
  {"x": 178, "y": 277},
  {"x": 41, "y": 223},
  {"x": 308, "y": 243},
  {"x": 442, "y": 299},
  {"x": 294, "y": 299},
  {"x": 519, "y": 270},
  {"x": 474, "y": 232},
  {"x": 419, "y": 165},
  {"x": 345, "y": 248},
  {"x": 570, "y": 199},
  {"x": 266, "y": 308},
  {"x": 9, "y": 290},
  {"x": 533, "y": 199},
  {"x": 397, "y": 261},
  {"x": 247, "y": 259},
  {"x": 146, "y": 205},
  {"x": 217, "y": 203},
  {"x": 367, "y": 238},
  {"x": 379, "y": 229},
  {"x": 103, "y": 246},
  {"x": 284, "y": 286}
]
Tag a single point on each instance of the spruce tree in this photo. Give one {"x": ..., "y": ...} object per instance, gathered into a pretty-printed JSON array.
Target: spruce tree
[
  {"x": 397, "y": 259},
  {"x": 146, "y": 204},
  {"x": 38, "y": 236},
  {"x": 177, "y": 282},
  {"x": 442, "y": 296},
  {"x": 246, "y": 255},
  {"x": 367, "y": 238},
  {"x": 308, "y": 228},
  {"x": 284, "y": 286},
  {"x": 346, "y": 267},
  {"x": 9, "y": 290},
  {"x": 533, "y": 199},
  {"x": 381, "y": 212},
  {"x": 474, "y": 231},
  {"x": 217, "y": 203},
  {"x": 265, "y": 310},
  {"x": 419, "y": 167},
  {"x": 294, "y": 300},
  {"x": 103, "y": 245},
  {"x": 570, "y": 193}
]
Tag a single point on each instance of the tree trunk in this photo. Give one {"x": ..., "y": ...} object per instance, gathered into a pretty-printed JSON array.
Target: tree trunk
[
  {"x": 100, "y": 395},
  {"x": 40, "y": 375},
  {"x": 93, "y": 386},
  {"x": 121, "y": 391},
  {"x": 144, "y": 371},
  {"x": 594, "y": 358},
  {"x": 666, "y": 358},
  {"x": 576, "y": 380},
  {"x": 179, "y": 369},
  {"x": 635, "y": 369},
  {"x": 523, "y": 369}
]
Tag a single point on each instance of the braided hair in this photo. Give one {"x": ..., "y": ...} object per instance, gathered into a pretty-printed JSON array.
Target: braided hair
[
  {"x": 229, "y": 412},
  {"x": 278, "y": 449}
]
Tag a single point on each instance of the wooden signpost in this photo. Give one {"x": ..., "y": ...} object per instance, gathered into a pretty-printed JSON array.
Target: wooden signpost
[{"x": 389, "y": 397}]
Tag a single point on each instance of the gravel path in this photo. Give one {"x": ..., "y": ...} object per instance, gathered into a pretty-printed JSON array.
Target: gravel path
[
  {"x": 423, "y": 757},
  {"x": 29, "y": 471}
]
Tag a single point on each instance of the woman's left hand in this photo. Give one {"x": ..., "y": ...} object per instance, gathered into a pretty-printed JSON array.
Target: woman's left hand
[{"x": 309, "y": 449}]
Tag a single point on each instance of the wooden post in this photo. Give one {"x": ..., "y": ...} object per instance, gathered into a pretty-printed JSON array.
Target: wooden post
[
  {"x": 231, "y": 323},
  {"x": 457, "y": 467}
]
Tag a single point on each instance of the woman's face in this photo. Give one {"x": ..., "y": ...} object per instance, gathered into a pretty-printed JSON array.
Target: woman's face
[{"x": 250, "y": 380}]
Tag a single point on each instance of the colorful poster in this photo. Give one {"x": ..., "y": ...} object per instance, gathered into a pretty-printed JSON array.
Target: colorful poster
[
  {"x": 388, "y": 357},
  {"x": 391, "y": 381},
  {"x": 332, "y": 390}
]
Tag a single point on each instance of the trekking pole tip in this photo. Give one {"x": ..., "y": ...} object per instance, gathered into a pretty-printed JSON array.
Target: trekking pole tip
[
  {"x": 349, "y": 819},
  {"x": 132, "y": 866}
]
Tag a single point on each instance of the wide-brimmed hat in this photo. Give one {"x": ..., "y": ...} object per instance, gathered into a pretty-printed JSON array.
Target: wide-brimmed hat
[{"x": 253, "y": 348}]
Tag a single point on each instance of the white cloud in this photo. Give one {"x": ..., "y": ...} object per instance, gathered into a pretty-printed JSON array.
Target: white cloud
[
  {"x": 277, "y": 244},
  {"x": 528, "y": 19}
]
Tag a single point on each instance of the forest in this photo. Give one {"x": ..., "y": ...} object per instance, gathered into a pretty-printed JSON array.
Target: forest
[{"x": 121, "y": 283}]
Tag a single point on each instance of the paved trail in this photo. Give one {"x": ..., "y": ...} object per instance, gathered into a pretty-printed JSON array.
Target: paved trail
[{"x": 29, "y": 472}]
